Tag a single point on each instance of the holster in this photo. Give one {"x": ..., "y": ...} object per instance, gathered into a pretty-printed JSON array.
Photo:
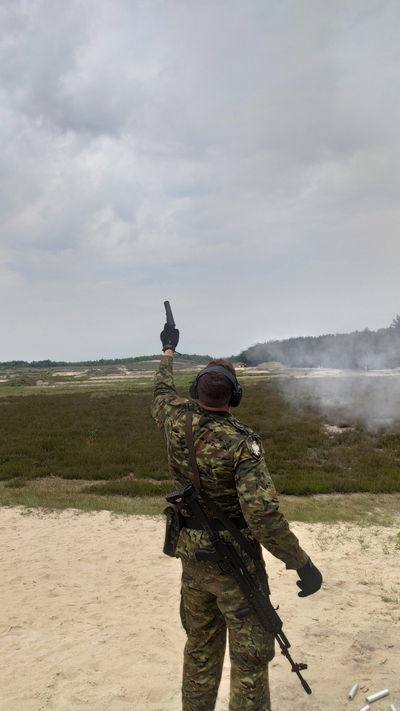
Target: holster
[{"x": 173, "y": 525}]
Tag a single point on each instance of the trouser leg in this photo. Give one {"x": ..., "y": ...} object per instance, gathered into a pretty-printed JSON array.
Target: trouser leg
[
  {"x": 209, "y": 603},
  {"x": 249, "y": 674},
  {"x": 251, "y": 648},
  {"x": 204, "y": 649}
]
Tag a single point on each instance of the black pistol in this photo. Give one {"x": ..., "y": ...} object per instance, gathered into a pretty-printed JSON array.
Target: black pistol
[{"x": 168, "y": 314}]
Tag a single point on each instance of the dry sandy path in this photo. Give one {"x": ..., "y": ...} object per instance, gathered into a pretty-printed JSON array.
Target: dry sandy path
[{"x": 89, "y": 616}]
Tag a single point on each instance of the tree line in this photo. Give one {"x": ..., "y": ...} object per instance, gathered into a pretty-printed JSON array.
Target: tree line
[
  {"x": 192, "y": 358},
  {"x": 358, "y": 350}
]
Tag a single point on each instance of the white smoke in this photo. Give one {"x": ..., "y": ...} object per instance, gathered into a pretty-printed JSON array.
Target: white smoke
[{"x": 370, "y": 400}]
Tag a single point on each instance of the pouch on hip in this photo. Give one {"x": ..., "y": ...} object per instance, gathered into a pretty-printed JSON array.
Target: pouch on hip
[{"x": 173, "y": 525}]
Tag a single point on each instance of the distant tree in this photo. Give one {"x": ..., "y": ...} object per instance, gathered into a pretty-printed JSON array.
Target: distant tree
[{"x": 360, "y": 349}]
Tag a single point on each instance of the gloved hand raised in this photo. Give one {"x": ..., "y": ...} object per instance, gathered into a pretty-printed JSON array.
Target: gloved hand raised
[
  {"x": 169, "y": 338},
  {"x": 310, "y": 579}
]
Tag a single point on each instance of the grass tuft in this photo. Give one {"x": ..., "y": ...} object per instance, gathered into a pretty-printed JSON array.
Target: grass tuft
[{"x": 129, "y": 488}]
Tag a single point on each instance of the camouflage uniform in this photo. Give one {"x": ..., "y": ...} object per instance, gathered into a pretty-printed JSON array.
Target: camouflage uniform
[{"x": 234, "y": 474}]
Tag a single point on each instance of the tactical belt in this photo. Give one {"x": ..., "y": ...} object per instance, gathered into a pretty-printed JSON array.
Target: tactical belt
[{"x": 214, "y": 523}]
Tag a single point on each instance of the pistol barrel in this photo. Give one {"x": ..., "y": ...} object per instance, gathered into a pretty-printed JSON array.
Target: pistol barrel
[{"x": 168, "y": 314}]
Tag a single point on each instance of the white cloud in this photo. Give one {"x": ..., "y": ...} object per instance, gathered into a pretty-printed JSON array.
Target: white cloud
[{"x": 238, "y": 158}]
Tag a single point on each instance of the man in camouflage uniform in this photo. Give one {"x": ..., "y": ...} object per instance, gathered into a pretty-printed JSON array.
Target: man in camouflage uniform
[{"x": 234, "y": 474}]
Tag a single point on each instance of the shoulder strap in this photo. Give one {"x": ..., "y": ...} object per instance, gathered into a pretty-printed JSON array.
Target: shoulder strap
[
  {"x": 217, "y": 511},
  {"x": 192, "y": 453}
]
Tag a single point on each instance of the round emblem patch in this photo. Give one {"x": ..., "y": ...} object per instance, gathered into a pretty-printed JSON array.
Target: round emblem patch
[{"x": 254, "y": 446}]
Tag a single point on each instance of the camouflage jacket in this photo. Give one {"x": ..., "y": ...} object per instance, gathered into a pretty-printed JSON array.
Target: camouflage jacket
[{"x": 231, "y": 464}]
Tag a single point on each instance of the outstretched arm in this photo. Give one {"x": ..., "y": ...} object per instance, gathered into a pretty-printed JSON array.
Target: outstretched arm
[{"x": 164, "y": 386}]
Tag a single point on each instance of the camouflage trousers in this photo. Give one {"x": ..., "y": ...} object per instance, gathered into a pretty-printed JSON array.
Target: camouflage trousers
[{"x": 208, "y": 605}]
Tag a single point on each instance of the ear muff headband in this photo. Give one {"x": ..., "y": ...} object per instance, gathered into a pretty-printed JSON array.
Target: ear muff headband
[{"x": 237, "y": 390}]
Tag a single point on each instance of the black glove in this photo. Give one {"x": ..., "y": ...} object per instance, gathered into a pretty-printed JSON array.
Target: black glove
[
  {"x": 310, "y": 579},
  {"x": 169, "y": 338}
]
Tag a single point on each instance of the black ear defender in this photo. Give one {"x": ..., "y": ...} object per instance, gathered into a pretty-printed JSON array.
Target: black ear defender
[{"x": 237, "y": 390}]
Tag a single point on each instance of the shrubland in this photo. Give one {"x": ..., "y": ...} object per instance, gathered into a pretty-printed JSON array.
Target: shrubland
[{"x": 97, "y": 447}]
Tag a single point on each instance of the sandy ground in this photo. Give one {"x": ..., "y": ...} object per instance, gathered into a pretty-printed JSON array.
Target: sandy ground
[{"x": 89, "y": 616}]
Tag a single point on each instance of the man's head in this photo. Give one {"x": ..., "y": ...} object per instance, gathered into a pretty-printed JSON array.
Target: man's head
[{"x": 217, "y": 389}]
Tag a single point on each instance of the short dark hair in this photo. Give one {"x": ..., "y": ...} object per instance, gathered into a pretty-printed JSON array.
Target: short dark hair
[{"x": 215, "y": 389}]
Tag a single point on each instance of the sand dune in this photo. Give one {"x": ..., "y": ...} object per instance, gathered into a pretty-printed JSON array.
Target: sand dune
[{"x": 89, "y": 616}]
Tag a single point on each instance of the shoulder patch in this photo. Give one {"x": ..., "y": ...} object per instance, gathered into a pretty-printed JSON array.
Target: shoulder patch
[{"x": 254, "y": 446}]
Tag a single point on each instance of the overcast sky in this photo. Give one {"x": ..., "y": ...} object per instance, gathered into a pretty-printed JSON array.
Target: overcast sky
[{"x": 237, "y": 157}]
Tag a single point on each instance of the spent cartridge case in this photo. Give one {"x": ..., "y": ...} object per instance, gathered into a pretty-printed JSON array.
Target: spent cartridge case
[
  {"x": 378, "y": 695},
  {"x": 353, "y": 691}
]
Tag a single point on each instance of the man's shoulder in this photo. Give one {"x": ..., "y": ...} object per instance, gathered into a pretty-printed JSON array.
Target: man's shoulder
[
  {"x": 250, "y": 441},
  {"x": 240, "y": 427},
  {"x": 182, "y": 402},
  {"x": 231, "y": 429}
]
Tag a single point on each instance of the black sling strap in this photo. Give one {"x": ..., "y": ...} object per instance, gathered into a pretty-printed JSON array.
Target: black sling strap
[{"x": 250, "y": 549}]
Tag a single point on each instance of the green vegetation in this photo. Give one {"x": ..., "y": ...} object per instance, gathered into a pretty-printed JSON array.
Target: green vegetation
[
  {"x": 101, "y": 444},
  {"x": 53, "y": 493},
  {"x": 89, "y": 436},
  {"x": 304, "y": 458},
  {"x": 40, "y": 364}
]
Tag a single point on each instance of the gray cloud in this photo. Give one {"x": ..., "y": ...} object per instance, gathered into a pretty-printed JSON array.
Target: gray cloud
[{"x": 238, "y": 158}]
